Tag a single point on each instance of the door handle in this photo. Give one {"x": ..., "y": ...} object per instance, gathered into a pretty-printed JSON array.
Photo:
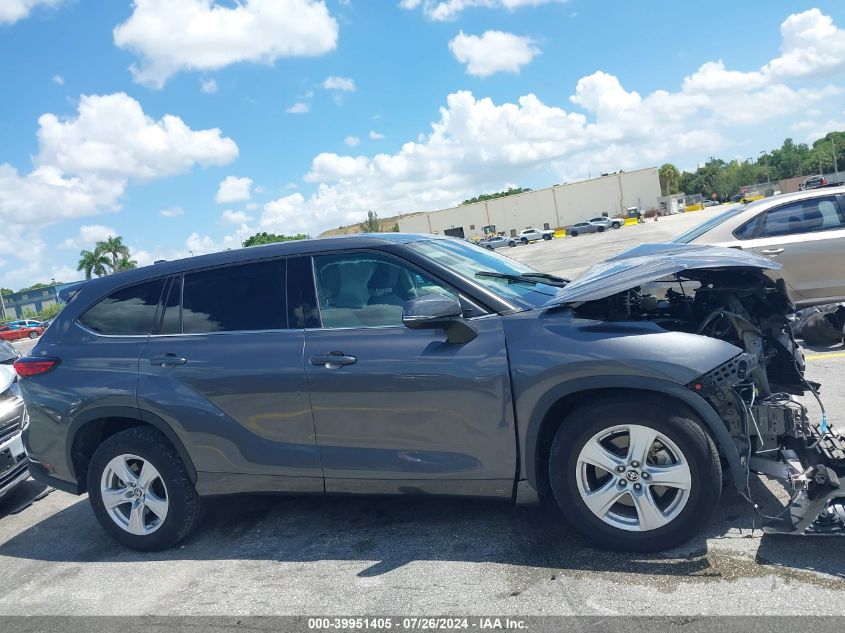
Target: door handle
[
  {"x": 333, "y": 360},
  {"x": 772, "y": 251},
  {"x": 168, "y": 360}
]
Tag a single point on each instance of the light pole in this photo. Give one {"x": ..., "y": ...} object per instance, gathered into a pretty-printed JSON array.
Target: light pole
[
  {"x": 766, "y": 158},
  {"x": 835, "y": 163}
]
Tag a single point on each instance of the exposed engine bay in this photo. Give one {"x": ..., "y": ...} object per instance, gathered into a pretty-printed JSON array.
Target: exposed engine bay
[{"x": 755, "y": 392}]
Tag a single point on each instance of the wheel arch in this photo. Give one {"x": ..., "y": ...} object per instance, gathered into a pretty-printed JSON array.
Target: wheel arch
[
  {"x": 551, "y": 409},
  {"x": 89, "y": 429}
]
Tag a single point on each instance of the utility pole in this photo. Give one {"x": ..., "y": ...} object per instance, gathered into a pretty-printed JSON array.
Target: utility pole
[
  {"x": 766, "y": 158},
  {"x": 835, "y": 163}
]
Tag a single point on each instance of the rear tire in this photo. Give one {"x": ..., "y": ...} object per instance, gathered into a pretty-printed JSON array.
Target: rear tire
[
  {"x": 524, "y": 241},
  {"x": 601, "y": 229},
  {"x": 616, "y": 225},
  {"x": 620, "y": 506},
  {"x": 574, "y": 234},
  {"x": 140, "y": 490},
  {"x": 547, "y": 237},
  {"x": 512, "y": 244}
]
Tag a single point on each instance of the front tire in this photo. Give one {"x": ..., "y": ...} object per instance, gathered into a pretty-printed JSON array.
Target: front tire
[
  {"x": 635, "y": 474},
  {"x": 140, "y": 490},
  {"x": 574, "y": 234},
  {"x": 601, "y": 229},
  {"x": 547, "y": 237},
  {"x": 33, "y": 335},
  {"x": 524, "y": 241},
  {"x": 616, "y": 225},
  {"x": 512, "y": 244}
]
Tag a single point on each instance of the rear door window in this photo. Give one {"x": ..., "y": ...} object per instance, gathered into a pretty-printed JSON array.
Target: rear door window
[
  {"x": 126, "y": 312},
  {"x": 805, "y": 216},
  {"x": 246, "y": 297}
]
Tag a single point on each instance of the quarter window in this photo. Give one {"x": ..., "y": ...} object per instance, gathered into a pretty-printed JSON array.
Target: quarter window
[
  {"x": 806, "y": 216},
  {"x": 367, "y": 290},
  {"x": 236, "y": 298},
  {"x": 126, "y": 312}
]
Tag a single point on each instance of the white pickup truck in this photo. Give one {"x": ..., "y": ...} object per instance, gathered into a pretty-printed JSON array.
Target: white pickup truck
[{"x": 531, "y": 235}]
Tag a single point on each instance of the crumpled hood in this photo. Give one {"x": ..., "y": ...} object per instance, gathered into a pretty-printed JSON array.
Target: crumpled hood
[{"x": 650, "y": 262}]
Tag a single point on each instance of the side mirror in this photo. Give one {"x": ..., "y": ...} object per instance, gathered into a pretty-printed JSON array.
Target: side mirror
[{"x": 434, "y": 312}]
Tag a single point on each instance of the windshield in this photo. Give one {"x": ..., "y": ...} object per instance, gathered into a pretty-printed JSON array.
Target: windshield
[
  {"x": 468, "y": 260},
  {"x": 701, "y": 229}
]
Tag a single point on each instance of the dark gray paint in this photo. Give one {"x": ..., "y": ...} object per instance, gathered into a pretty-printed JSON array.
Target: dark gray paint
[{"x": 414, "y": 414}]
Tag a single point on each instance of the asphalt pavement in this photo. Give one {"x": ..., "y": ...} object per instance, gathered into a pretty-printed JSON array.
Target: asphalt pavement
[{"x": 271, "y": 555}]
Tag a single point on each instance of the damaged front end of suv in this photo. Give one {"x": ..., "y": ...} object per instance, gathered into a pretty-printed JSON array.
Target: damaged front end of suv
[{"x": 727, "y": 294}]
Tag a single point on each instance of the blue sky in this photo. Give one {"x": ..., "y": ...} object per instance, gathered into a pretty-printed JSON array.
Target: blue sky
[{"x": 125, "y": 117}]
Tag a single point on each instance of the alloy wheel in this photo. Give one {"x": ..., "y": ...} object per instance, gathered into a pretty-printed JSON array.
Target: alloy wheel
[
  {"x": 134, "y": 494},
  {"x": 633, "y": 478}
]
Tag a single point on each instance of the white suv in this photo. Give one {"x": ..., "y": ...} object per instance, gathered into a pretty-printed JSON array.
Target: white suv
[{"x": 531, "y": 235}]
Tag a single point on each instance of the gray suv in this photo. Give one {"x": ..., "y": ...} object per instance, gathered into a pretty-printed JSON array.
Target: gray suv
[{"x": 417, "y": 364}]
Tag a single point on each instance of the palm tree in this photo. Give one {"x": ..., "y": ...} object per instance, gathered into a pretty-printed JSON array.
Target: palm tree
[
  {"x": 93, "y": 262},
  {"x": 114, "y": 248},
  {"x": 125, "y": 263}
]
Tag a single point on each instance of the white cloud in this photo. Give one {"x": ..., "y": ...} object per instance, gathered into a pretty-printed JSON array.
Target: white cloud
[
  {"x": 300, "y": 107},
  {"x": 376, "y": 136},
  {"x": 352, "y": 141},
  {"x": 201, "y": 244},
  {"x": 58, "y": 80},
  {"x": 493, "y": 52},
  {"x": 208, "y": 86},
  {"x": 344, "y": 84},
  {"x": 478, "y": 145},
  {"x": 235, "y": 217},
  {"x": 171, "y": 212},
  {"x": 170, "y": 37},
  {"x": 88, "y": 236},
  {"x": 449, "y": 9},
  {"x": 13, "y": 10},
  {"x": 233, "y": 189},
  {"x": 85, "y": 162}
]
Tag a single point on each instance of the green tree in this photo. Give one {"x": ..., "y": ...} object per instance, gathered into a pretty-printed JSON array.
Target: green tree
[
  {"x": 371, "y": 224},
  {"x": 124, "y": 263},
  {"x": 50, "y": 312},
  {"x": 499, "y": 194},
  {"x": 270, "y": 238},
  {"x": 6, "y": 291},
  {"x": 115, "y": 249},
  {"x": 670, "y": 179},
  {"x": 93, "y": 262}
]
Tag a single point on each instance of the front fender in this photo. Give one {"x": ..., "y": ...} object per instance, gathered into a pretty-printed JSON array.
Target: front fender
[{"x": 554, "y": 355}]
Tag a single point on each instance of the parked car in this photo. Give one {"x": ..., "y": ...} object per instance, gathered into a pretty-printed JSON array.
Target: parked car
[
  {"x": 13, "y": 464},
  {"x": 813, "y": 182},
  {"x": 532, "y": 235},
  {"x": 25, "y": 323},
  {"x": 16, "y": 332},
  {"x": 583, "y": 227},
  {"x": 606, "y": 223},
  {"x": 804, "y": 231},
  {"x": 710, "y": 203},
  {"x": 497, "y": 241},
  {"x": 411, "y": 364}
]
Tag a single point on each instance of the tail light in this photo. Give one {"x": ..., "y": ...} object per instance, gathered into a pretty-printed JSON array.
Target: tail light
[{"x": 30, "y": 366}]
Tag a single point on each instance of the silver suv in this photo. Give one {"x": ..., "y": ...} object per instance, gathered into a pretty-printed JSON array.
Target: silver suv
[{"x": 805, "y": 232}]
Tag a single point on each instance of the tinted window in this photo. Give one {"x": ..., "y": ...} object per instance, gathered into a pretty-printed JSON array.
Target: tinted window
[
  {"x": 367, "y": 290},
  {"x": 806, "y": 216},
  {"x": 129, "y": 311},
  {"x": 245, "y": 297},
  {"x": 701, "y": 229}
]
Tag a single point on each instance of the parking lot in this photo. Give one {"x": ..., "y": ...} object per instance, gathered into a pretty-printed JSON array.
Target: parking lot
[{"x": 292, "y": 555}]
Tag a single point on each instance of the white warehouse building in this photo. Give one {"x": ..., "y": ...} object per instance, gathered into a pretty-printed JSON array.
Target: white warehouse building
[{"x": 552, "y": 208}]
